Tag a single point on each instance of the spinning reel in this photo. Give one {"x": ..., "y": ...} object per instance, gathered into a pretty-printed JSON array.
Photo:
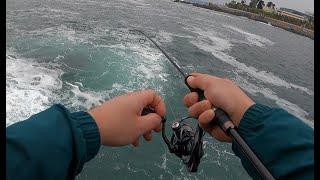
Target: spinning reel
[{"x": 185, "y": 143}]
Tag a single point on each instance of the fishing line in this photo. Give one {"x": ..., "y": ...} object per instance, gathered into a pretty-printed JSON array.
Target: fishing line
[
  {"x": 172, "y": 110},
  {"x": 126, "y": 44}
]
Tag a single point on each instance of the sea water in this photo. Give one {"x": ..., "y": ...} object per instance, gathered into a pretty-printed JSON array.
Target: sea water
[{"x": 80, "y": 54}]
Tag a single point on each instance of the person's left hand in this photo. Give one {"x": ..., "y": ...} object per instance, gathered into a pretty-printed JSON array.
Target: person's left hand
[{"x": 120, "y": 122}]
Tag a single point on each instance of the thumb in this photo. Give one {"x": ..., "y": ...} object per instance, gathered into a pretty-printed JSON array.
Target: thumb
[{"x": 148, "y": 122}]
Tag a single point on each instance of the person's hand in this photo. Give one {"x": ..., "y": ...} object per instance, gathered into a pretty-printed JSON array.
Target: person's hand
[
  {"x": 120, "y": 122},
  {"x": 220, "y": 93}
]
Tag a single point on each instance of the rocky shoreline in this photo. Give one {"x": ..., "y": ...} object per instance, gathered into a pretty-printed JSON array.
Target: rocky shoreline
[{"x": 274, "y": 22}]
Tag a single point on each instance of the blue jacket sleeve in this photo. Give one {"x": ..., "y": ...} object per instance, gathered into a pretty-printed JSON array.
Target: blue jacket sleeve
[
  {"x": 283, "y": 143},
  {"x": 53, "y": 144}
]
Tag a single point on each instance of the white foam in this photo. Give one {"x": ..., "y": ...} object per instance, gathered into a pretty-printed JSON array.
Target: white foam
[
  {"x": 147, "y": 57},
  {"x": 117, "y": 85},
  {"x": 79, "y": 83},
  {"x": 129, "y": 4},
  {"x": 167, "y": 37},
  {"x": 264, "y": 76},
  {"x": 164, "y": 163},
  {"x": 29, "y": 87},
  {"x": 140, "y": 60},
  {"x": 163, "y": 37},
  {"x": 32, "y": 87},
  {"x": 145, "y": 71},
  {"x": 225, "y": 15},
  {"x": 84, "y": 99},
  {"x": 144, "y": 60},
  {"x": 54, "y": 11},
  {"x": 290, "y": 107},
  {"x": 210, "y": 42},
  {"x": 252, "y": 39},
  {"x": 264, "y": 23},
  {"x": 62, "y": 34},
  {"x": 211, "y": 13},
  {"x": 150, "y": 65},
  {"x": 137, "y": 2},
  {"x": 137, "y": 170}
]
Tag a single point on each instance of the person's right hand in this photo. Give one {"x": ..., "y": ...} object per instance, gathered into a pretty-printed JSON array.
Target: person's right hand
[{"x": 220, "y": 93}]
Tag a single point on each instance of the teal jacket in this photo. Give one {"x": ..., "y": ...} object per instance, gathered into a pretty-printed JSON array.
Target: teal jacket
[{"x": 55, "y": 144}]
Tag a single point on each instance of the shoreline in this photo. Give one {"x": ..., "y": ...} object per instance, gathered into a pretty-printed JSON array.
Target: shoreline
[{"x": 274, "y": 22}]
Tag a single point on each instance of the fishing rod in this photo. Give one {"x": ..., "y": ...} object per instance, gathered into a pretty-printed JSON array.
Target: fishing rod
[{"x": 187, "y": 144}]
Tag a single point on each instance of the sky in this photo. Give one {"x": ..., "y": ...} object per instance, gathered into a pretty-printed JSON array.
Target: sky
[{"x": 299, "y": 5}]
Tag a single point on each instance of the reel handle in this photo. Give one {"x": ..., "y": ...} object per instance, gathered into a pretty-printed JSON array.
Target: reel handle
[{"x": 148, "y": 110}]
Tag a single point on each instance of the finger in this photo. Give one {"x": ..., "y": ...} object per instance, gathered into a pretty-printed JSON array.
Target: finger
[
  {"x": 198, "y": 108},
  {"x": 200, "y": 81},
  {"x": 200, "y": 74},
  {"x": 136, "y": 143},
  {"x": 158, "y": 128},
  {"x": 151, "y": 99},
  {"x": 196, "y": 74},
  {"x": 190, "y": 99},
  {"x": 218, "y": 134},
  {"x": 205, "y": 119},
  {"x": 148, "y": 136},
  {"x": 148, "y": 122}
]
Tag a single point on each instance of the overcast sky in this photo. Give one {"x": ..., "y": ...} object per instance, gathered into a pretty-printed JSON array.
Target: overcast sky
[{"x": 300, "y": 5}]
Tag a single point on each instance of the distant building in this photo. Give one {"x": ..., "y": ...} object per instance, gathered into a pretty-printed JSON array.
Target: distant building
[
  {"x": 291, "y": 15},
  {"x": 305, "y": 15},
  {"x": 267, "y": 9}
]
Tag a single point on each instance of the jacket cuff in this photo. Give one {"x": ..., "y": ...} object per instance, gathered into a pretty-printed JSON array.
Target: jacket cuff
[
  {"x": 90, "y": 133},
  {"x": 252, "y": 116},
  {"x": 249, "y": 120}
]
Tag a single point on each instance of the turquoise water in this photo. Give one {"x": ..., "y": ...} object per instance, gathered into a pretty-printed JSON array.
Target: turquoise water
[{"x": 79, "y": 53}]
